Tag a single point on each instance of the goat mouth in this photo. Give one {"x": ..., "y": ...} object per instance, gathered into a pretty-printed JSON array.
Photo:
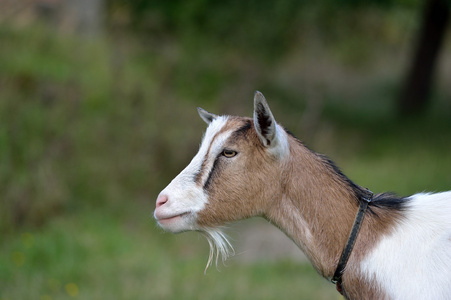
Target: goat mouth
[{"x": 168, "y": 219}]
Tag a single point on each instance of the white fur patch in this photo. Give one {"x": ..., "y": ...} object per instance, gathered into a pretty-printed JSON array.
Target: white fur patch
[
  {"x": 414, "y": 262},
  {"x": 280, "y": 147}
]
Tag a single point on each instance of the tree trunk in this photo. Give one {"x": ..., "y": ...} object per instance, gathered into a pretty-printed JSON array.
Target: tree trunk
[{"x": 415, "y": 93}]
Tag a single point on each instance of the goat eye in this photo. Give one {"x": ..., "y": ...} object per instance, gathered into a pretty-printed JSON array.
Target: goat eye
[{"x": 229, "y": 153}]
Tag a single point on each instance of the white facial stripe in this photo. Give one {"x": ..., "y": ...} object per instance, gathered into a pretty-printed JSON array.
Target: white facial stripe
[
  {"x": 216, "y": 147},
  {"x": 195, "y": 166}
]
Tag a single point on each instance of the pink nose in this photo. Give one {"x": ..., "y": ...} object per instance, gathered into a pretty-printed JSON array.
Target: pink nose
[{"x": 162, "y": 199}]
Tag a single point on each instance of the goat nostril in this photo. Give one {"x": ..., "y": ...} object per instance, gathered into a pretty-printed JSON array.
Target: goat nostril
[{"x": 162, "y": 200}]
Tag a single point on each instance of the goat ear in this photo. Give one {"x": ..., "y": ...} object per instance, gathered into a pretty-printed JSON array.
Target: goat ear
[
  {"x": 264, "y": 121},
  {"x": 206, "y": 116}
]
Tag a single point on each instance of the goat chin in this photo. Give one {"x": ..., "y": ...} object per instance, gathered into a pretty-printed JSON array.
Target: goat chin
[{"x": 219, "y": 245}]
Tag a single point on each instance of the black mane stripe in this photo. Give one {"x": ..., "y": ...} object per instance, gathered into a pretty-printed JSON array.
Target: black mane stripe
[
  {"x": 386, "y": 200},
  {"x": 390, "y": 201},
  {"x": 383, "y": 200}
]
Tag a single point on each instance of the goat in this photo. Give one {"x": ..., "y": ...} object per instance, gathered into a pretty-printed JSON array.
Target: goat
[{"x": 249, "y": 167}]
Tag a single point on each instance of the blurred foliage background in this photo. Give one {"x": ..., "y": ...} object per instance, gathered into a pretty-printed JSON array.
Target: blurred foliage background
[{"x": 97, "y": 115}]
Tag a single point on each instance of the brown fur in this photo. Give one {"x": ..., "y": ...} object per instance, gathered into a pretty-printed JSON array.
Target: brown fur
[{"x": 302, "y": 195}]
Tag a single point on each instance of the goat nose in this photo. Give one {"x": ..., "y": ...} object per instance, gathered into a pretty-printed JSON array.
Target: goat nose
[{"x": 162, "y": 199}]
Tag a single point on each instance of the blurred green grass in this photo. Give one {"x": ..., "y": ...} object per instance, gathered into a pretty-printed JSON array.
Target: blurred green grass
[
  {"x": 130, "y": 259},
  {"x": 92, "y": 130}
]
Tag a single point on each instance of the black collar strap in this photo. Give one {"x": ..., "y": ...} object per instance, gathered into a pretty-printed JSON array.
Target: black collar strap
[{"x": 337, "y": 278}]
